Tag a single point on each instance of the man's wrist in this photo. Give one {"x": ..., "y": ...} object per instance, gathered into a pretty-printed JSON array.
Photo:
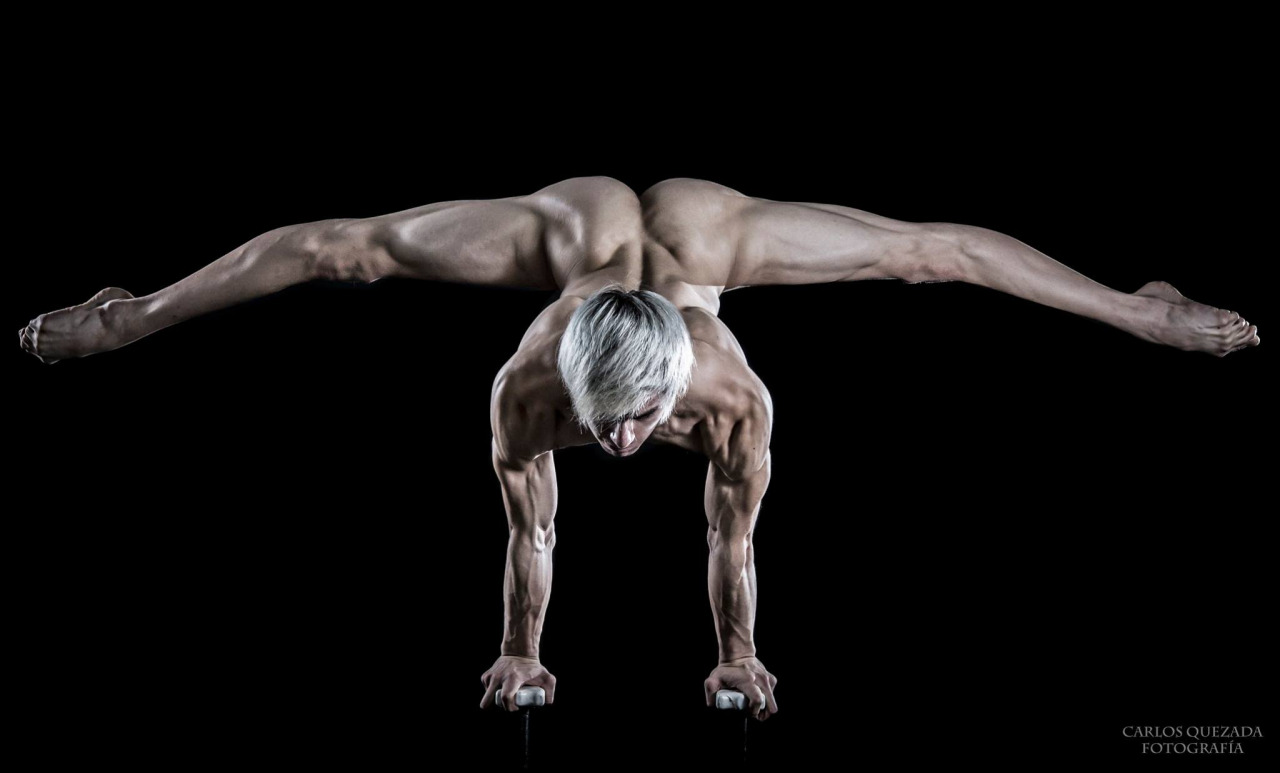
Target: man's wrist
[{"x": 737, "y": 660}]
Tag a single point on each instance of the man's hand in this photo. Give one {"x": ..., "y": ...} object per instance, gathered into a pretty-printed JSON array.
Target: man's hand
[
  {"x": 749, "y": 677},
  {"x": 508, "y": 674}
]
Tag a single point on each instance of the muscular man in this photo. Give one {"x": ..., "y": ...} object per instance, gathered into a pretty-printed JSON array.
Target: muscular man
[{"x": 633, "y": 349}]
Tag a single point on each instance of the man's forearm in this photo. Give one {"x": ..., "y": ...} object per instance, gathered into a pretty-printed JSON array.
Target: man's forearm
[
  {"x": 731, "y": 582},
  {"x": 527, "y": 590}
]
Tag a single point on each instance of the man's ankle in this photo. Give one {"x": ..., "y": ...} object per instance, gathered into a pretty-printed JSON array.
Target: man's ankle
[
  {"x": 1144, "y": 315},
  {"x": 121, "y": 320}
]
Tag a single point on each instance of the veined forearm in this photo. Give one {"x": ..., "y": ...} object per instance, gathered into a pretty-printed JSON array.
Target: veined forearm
[
  {"x": 526, "y": 590},
  {"x": 529, "y": 494},
  {"x": 731, "y": 582},
  {"x": 1001, "y": 262}
]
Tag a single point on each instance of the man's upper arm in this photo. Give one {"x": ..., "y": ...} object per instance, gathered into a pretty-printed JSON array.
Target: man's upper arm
[
  {"x": 742, "y": 450},
  {"x": 522, "y": 455},
  {"x": 740, "y": 470},
  {"x": 529, "y": 490},
  {"x": 733, "y": 500}
]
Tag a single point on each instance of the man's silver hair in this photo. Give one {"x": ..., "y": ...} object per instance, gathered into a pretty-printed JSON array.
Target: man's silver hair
[{"x": 620, "y": 349}]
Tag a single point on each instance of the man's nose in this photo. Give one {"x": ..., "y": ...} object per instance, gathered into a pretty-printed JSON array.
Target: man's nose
[{"x": 622, "y": 434}]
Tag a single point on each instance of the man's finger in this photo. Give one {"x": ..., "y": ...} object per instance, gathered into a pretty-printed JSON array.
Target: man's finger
[
  {"x": 549, "y": 684},
  {"x": 487, "y": 700},
  {"x": 711, "y": 686},
  {"x": 771, "y": 703},
  {"x": 509, "y": 690},
  {"x": 757, "y": 701}
]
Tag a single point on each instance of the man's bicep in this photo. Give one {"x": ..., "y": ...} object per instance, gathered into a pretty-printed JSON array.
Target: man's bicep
[
  {"x": 522, "y": 452},
  {"x": 529, "y": 489},
  {"x": 732, "y": 499}
]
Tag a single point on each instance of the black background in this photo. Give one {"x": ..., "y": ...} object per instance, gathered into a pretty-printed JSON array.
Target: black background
[{"x": 995, "y": 530}]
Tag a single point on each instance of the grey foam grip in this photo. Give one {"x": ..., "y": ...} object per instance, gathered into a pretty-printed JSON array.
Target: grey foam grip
[
  {"x": 732, "y": 699},
  {"x": 531, "y": 696}
]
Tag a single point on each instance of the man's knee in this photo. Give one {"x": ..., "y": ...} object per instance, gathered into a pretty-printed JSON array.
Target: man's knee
[
  {"x": 931, "y": 252},
  {"x": 343, "y": 250}
]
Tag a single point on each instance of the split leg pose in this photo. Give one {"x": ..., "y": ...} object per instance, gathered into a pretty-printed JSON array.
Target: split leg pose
[{"x": 500, "y": 242}]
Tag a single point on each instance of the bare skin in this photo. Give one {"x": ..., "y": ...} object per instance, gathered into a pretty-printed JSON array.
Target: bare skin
[{"x": 688, "y": 240}]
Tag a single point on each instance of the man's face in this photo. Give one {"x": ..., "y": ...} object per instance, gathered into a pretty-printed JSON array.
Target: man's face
[{"x": 622, "y": 438}]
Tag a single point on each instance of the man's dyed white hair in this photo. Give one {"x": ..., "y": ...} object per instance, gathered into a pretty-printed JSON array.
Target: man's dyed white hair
[{"x": 620, "y": 349}]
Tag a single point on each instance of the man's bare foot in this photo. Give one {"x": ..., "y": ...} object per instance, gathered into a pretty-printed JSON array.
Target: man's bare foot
[
  {"x": 1181, "y": 322},
  {"x": 76, "y": 331}
]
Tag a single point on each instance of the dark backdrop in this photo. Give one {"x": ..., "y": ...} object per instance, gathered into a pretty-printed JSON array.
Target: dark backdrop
[{"x": 273, "y": 532}]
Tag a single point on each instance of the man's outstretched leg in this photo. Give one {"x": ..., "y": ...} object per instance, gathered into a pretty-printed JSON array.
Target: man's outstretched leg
[
  {"x": 476, "y": 241},
  {"x": 786, "y": 242},
  {"x": 264, "y": 265}
]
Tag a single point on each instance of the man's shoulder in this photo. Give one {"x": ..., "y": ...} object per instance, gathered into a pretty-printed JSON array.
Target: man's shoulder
[
  {"x": 737, "y": 412},
  {"x": 525, "y": 406},
  {"x": 530, "y": 372}
]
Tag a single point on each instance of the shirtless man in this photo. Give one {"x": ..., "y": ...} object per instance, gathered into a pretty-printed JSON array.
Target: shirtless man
[{"x": 633, "y": 349}]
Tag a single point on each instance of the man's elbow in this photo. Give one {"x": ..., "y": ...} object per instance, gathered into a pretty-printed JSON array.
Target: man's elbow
[
  {"x": 536, "y": 538},
  {"x": 730, "y": 548}
]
